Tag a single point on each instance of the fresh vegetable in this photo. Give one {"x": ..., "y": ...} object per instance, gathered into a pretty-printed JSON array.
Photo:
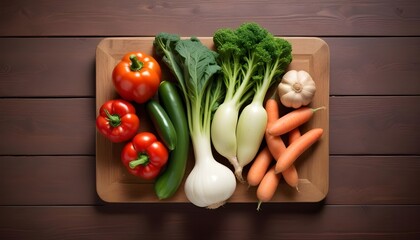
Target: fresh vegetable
[
  {"x": 291, "y": 175},
  {"x": 268, "y": 186},
  {"x": 162, "y": 123},
  {"x": 238, "y": 64},
  {"x": 276, "y": 144},
  {"x": 292, "y": 120},
  {"x": 144, "y": 156},
  {"x": 117, "y": 120},
  {"x": 136, "y": 77},
  {"x": 168, "y": 182},
  {"x": 296, "y": 89},
  {"x": 210, "y": 183},
  {"x": 296, "y": 148},
  {"x": 274, "y": 147},
  {"x": 259, "y": 167},
  {"x": 294, "y": 134},
  {"x": 252, "y": 60}
]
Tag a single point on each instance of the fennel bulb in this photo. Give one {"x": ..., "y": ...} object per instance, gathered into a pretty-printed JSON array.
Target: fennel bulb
[
  {"x": 210, "y": 184},
  {"x": 251, "y": 60}
]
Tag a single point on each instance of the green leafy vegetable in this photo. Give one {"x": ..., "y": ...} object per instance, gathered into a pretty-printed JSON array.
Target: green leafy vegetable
[{"x": 194, "y": 66}]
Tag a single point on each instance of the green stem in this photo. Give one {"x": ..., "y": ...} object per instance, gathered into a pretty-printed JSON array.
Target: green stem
[
  {"x": 143, "y": 159},
  {"x": 114, "y": 120},
  {"x": 136, "y": 64}
]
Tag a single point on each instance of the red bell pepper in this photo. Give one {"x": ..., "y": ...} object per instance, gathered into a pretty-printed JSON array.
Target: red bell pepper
[
  {"x": 144, "y": 156},
  {"x": 117, "y": 120},
  {"x": 137, "y": 77}
]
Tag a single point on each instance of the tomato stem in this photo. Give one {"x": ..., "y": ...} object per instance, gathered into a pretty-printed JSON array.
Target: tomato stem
[
  {"x": 114, "y": 120},
  {"x": 136, "y": 64},
  {"x": 143, "y": 159}
]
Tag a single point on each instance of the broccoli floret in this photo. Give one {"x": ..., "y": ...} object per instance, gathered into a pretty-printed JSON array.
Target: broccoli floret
[{"x": 251, "y": 59}]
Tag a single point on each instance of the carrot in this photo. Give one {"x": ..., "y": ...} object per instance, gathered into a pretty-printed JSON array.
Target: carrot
[
  {"x": 272, "y": 109},
  {"x": 296, "y": 148},
  {"x": 274, "y": 143},
  {"x": 290, "y": 175},
  {"x": 294, "y": 134},
  {"x": 292, "y": 120},
  {"x": 259, "y": 167},
  {"x": 267, "y": 187}
]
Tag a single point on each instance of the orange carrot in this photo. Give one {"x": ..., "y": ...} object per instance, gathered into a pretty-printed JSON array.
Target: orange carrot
[
  {"x": 274, "y": 143},
  {"x": 272, "y": 109},
  {"x": 296, "y": 148},
  {"x": 267, "y": 187},
  {"x": 290, "y": 175},
  {"x": 292, "y": 120},
  {"x": 259, "y": 167},
  {"x": 294, "y": 134}
]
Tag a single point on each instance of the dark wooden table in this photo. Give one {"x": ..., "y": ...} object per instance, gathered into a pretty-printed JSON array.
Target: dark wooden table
[{"x": 47, "y": 119}]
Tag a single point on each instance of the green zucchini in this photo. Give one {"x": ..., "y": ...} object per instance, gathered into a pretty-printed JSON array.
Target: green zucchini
[
  {"x": 163, "y": 124},
  {"x": 167, "y": 184}
]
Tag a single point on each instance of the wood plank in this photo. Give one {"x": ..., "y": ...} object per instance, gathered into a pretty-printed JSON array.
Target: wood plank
[
  {"x": 187, "y": 222},
  {"x": 374, "y": 66},
  {"x": 359, "y": 66},
  {"x": 47, "y": 180},
  {"x": 374, "y": 180},
  {"x": 374, "y": 125},
  {"x": 47, "y": 67},
  {"x": 146, "y": 18},
  {"x": 358, "y": 125},
  {"x": 64, "y": 126},
  {"x": 70, "y": 180}
]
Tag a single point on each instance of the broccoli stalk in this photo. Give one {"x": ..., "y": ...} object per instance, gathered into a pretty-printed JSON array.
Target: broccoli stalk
[{"x": 251, "y": 60}]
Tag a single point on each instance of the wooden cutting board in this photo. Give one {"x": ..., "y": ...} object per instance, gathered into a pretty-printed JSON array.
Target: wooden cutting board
[{"x": 113, "y": 182}]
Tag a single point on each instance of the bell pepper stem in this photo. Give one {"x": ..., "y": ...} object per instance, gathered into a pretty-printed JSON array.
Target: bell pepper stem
[
  {"x": 136, "y": 64},
  {"x": 114, "y": 120},
  {"x": 143, "y": 159}
]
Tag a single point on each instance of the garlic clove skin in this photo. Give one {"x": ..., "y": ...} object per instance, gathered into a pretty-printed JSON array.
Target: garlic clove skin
[{"x": 296, "y": 89}]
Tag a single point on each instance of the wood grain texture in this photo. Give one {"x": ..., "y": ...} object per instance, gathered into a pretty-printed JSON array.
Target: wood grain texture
[
  {"x": 32, "y": 67},
  {"x": 47, "y": 106},
  {"x": 47, "y": 126},
  {"x": 65, "y": 67},
  {"x": 47, "y": 180},
  {"x": 375, "y": 125},
  {"x": 375, "y": 66},
  {"x": 202, "y": 18},
  {"x": 70, "y": 180},
  {"x": 374, "y": 180},
  {"x": 151, "y": 221}
]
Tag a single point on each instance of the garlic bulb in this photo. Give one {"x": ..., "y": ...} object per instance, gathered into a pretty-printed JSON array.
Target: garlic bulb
[{"x": 296, "y": 89}]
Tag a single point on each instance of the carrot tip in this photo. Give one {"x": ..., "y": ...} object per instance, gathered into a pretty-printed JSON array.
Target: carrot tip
[
  {"x": 320, "y": 108},
  {"x": 297, "y": 189}
]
